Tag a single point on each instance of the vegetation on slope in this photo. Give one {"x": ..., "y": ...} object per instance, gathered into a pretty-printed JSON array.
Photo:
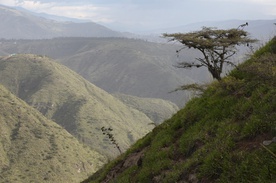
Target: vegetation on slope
[
  {"x": 35, "y": 149},
  {"x": 223, "y": 136},
  {"x": 157, "y": 110},
  {"x": 72, "y": 102}
]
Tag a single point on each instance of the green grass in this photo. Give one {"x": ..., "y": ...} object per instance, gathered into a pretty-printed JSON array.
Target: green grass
[{"x": 217, "y": 137}]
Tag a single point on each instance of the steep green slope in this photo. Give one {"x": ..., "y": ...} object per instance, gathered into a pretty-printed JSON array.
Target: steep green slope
[
  {"x": 71, "y": 101},
  {"x": 35, "y": 149},
  {"x": 157, "y": 110},
  {"x": 226, "y": 135}
]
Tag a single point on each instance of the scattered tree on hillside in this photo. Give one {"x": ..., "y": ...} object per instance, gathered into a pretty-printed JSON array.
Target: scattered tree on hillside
[
  {"x": 110, "y": 136},
  {"x": 216, "y": 45}
]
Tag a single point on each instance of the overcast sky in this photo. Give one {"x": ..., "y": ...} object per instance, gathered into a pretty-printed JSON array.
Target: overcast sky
[{"x": 152, "y": 14}]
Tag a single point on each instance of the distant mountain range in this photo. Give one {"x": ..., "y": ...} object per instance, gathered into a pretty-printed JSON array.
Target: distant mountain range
[
  {"x": 118, "y": 65},
  {"x": 53, "y": 17},
  {"x": 19, "y": 24},
  {"x": 260, "y": 29}
]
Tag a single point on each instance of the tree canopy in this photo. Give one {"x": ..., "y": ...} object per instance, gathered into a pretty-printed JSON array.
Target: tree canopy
[{"x": 216, "y": 45}]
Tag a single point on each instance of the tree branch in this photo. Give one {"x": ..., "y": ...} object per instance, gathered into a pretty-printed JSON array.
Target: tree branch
[
  {"x": 193, "y": 87},
  {"x": 188, "y": 65}
]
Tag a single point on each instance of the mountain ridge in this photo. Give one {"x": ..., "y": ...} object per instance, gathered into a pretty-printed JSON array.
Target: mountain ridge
[
  {"x": 17, "y": 24},
  {"x": 71, "y": 101},
  {"x": 118, "y": 65}
]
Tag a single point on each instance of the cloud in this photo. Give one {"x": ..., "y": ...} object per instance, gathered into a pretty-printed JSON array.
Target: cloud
[
  {"x": 8, "y": 2},
  {"x": 91, "y": 12},
  {"x": 74, "y": 9},
  {"x": 245, "y": 1},
  {"x": 35, "y": 5},
  {"x": 265, "y": 7}
]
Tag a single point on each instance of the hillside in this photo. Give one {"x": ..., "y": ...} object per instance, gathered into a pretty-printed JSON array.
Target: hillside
[
  {"x": 225, "y": 135},
  {"x": 157, "y": 110},
  {"x": 74, "y": 103},
  {"x": 19, "y": 24},
  {"x": 35, "y": 149},
  {"x": 118, "y": 65}
]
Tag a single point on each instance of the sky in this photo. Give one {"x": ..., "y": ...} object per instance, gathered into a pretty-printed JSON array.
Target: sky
[{"x": 142, "y": 15}]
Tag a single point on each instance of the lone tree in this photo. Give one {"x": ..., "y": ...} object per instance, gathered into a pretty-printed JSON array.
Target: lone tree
[{"x": 216, "y": 45}]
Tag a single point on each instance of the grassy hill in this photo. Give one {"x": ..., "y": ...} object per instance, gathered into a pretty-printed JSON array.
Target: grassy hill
[
  {"x": 226, "y": 135},
  {"x": 157, "y": 110},
  {"x": 72, "y": 102},
  {"x": 118, "y": 65},
  {"x": 35, "y": 149}
]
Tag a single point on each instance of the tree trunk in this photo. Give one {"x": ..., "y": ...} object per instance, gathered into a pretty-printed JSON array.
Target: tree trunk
[{"x": 215, "y": 73}]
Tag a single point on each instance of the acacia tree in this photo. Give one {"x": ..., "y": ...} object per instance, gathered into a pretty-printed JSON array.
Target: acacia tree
[{"x": 216, "y": 45}]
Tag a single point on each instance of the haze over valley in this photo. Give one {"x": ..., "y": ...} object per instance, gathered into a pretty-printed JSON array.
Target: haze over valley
[{"x": 76, "y": 94}]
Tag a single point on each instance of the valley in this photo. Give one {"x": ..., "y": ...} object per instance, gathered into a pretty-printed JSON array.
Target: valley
[
  {"x": 118, "y": 65},
  {"x": 82, "y": 102},
  {"x": 72, "y": 102}
]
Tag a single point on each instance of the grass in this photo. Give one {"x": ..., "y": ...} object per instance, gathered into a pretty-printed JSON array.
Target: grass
[
  {"x": 217, "y": 137},
  {"x": 157, "y": 110},
  {"x": 74, "y": 103},
  {"x": 33, "y": 148}
]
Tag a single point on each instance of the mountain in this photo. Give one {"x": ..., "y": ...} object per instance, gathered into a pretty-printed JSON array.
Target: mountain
[
  {"x": 118, "y": 65},
  {"x": 19, "y": 24},
  {"x": 74, "y": 103},
  {"x": 53, "y": 17},
  {"x": 225, "y": 135},
  {"x": 35, "y": 149},
  {"x": 157, "y": 110}
]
